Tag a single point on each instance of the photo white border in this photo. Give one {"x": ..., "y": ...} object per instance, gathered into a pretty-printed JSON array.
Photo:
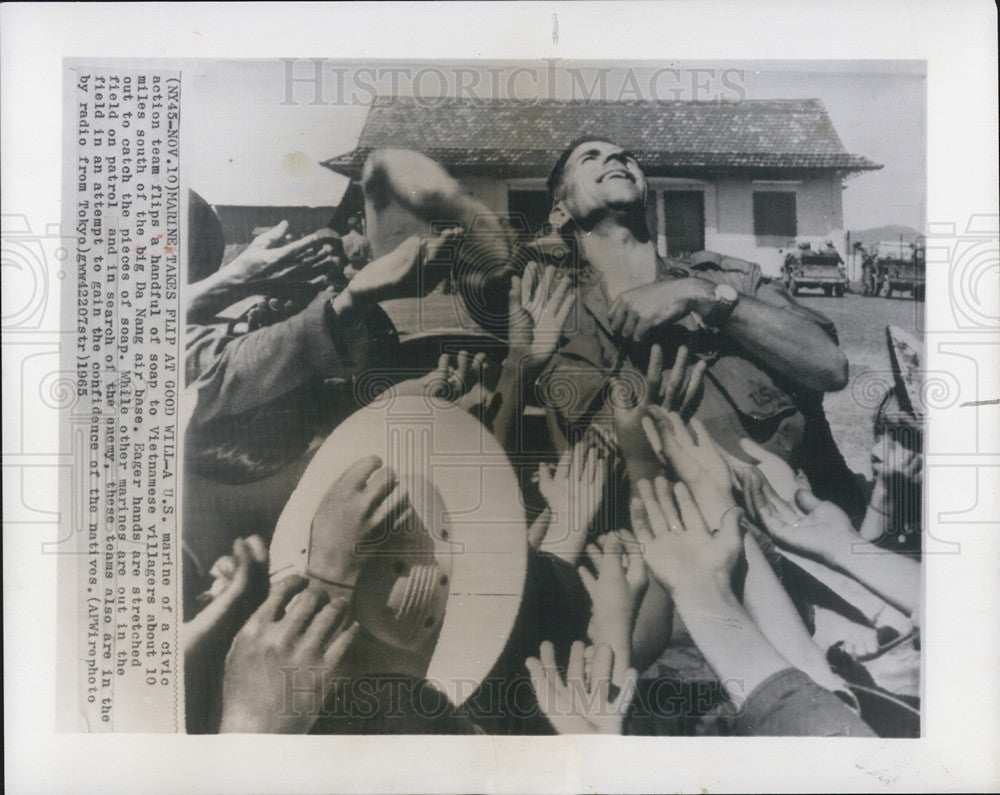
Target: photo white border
[{"x": 962, "y": 646}]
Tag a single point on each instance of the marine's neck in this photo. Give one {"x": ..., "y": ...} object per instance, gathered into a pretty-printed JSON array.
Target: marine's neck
[{"x": 625, "y": 259}]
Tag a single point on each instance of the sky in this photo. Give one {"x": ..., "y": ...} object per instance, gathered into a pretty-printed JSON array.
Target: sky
[{"x": 249, "y": 136}]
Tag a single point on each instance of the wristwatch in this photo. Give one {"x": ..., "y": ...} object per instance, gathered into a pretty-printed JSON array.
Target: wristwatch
[{"x": 726, "y": 299}]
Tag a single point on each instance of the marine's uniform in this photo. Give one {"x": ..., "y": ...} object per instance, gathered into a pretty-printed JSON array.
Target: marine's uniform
[{"x": 742, "y": 396}]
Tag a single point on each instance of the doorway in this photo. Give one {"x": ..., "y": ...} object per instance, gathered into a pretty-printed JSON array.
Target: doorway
[{"x": 684, "y": 217}]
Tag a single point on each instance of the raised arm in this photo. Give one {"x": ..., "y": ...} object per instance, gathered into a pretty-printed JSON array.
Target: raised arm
[{"x": 536, "y": 315}]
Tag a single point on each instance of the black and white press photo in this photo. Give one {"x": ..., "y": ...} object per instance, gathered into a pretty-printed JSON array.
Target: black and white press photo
[
  {"x": 500, "y": 397},
  {"x": 538, "y": 397}
]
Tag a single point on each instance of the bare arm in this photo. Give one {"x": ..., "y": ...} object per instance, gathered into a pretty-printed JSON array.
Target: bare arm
[
  {"x": 792, "y": 344},
  {"x": 789, "y": 341}
]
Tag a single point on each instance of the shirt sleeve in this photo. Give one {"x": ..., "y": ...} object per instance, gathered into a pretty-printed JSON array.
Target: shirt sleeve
[
  {"x": 790, "y": 704},
  {"x": 232, "y": 373}
]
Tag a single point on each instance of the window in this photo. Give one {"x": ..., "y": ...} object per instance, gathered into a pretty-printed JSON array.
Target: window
[
  {"x": 774, "y": 214},
  {"x": 528, "y": 210}
]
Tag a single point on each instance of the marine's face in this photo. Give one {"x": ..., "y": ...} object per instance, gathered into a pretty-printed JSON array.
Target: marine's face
[{"x": 601, "y": 175}]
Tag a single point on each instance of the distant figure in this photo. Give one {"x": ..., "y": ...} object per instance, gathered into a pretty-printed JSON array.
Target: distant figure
[
  {"x": 356, "y": 247},
  {"x": 868, "y": 273}
]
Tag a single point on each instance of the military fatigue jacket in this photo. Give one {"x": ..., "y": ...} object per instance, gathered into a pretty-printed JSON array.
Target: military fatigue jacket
[{"x": 742, "y": 396}]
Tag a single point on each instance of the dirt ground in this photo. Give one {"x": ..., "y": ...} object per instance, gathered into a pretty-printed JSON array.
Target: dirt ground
[{"x": 860, "y": 324}]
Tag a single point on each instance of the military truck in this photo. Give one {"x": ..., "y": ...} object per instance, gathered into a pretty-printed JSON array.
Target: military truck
[
  {"x": 821, "y": 268},
  {"x": 900, "y": 267}
]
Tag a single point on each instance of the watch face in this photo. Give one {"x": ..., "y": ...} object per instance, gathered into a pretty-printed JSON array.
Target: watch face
[{"x": 725, "y": 292}]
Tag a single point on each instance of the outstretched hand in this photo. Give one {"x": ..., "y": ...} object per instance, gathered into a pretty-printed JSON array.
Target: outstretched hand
[
  {"x": 239, "y": 585},
  {"x": 456, "y": 383},
  {"x": 580, "y": 704},
  {"x": 271, "y": 256},
  {"x": 681, "y": 550},
  {"x": 537, "y": 312},
  {"x": 283, "y": 663},
  {"x": 615, "y": 593},
  {"x": 696, "y": 461},
  {"x": 680, "y": 391},
  {"x": 573, "y": 492},
  {"x": 809, "y": 525}
]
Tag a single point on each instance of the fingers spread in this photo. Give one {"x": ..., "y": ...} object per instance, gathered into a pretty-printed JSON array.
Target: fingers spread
[{"x": 547, "y": 654}]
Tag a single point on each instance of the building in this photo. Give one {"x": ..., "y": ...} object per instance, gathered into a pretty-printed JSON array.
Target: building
[{"x": 745, "y": 179}]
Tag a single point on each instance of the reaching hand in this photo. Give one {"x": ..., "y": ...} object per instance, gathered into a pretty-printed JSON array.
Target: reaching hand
[
  {"x": 361, "y": 503},
  {"x": 238, "y": 587},
  {"x": 270, "y": 257},
  {"x": 777, "y": 471},
  {"x": 810, "y": 526},
  {"x": 697, "y": 462},
  {"x": 537, "y": 312},
  {"x": 615, "y": 593},
  {"x": 679, "y": 548},
  {"x": 581, "y": 704},
  {"x": 456, "y": 384},
  {"x": 395, "y": 275},
  {"x": 573, "y": 491},
  {"x": 679, "y": 392},
  {"x": 296, "y": 634}
]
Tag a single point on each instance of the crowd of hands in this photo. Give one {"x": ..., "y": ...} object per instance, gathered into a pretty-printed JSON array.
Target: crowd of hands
[{"x": 697, "y": 514}]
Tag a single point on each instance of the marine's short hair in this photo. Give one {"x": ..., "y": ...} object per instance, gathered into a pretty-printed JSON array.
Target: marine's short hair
[{"x": 555, "y": 180}]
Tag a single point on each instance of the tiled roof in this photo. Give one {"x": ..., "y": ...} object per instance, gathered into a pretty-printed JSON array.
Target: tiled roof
[{"x": 525, "y": 138}]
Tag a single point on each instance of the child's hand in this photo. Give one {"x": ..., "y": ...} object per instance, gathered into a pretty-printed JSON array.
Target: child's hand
[
  {"x": 811, "y": 526},
  {"x": 364, "y": 502},
  {"x": 573, "y": 491},
  {"x": 697, "y": 462},
  {"x": 615, "y": 594},
  {"x": 537, "y": 312},
  {"x": 679, "y": 548},
  {"x": 290, "y": 647},
  {"x": 581, "y": 704},
  {"x": 457, "y": 384},
  {"x": 674, "y": 394}
]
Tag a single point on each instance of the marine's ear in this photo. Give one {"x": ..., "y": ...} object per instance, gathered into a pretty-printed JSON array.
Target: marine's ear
[{"x": 559, "y": 216}]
